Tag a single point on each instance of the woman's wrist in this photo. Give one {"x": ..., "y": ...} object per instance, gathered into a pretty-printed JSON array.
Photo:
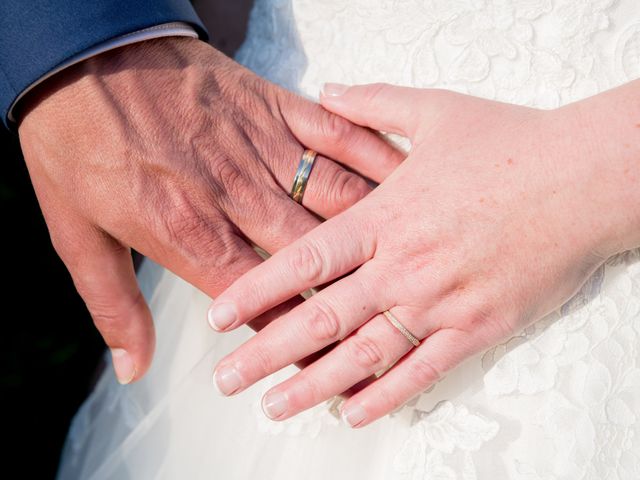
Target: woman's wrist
[{"x": 606, "y": 131}]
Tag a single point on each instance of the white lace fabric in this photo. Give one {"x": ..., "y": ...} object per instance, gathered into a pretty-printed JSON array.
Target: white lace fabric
[{"x": 558, "y": 401}]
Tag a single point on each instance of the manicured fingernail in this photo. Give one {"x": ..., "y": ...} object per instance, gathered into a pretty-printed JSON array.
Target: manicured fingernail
[
  {"x": 275, "y": 404},
  {"x": 354, "y": 415},
  {"x": 222, "y": 316},
  {"x": 123, "y": 365},
  {"x": 227, "y": 380},
  {"x": 334, "y": 89}
]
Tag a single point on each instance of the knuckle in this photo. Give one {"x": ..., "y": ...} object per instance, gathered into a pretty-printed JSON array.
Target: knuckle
[
  {"x": 279, "y": 215},
  {"x": 181, "y": 222},
  {"x": 422, "y": 372},
  {"x": 390, "y": 399},
  {"x": 183, "y": 230},
  {"x": 70, "y": 244},
  {"x": 337, "y": 128},
  {"x": 365, "y": 352},
  {"x": 259, "y": 363},
  {"x": 214, "y": 248},
  {"x": 323, "y": 324},
  {"x": 486, "y": 321},
  {"x": 200, "y": 242},
  {"x": 229, "y": 177},
  {"x": 106, "y": 322},
  {"x": 374, "y": 91},
  {"x": 111, "y": 316},
  {"x": 215, "y": 271},
  {"x": 347, "y": 188},
  {"x": 309, "y": 392},
  {"x": 307, "y": 264}
]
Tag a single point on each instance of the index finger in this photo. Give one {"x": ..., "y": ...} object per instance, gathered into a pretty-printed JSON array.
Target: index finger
[{"x": 332, "y": 249}]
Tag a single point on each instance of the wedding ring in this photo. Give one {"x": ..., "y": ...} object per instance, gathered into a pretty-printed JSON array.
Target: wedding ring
[
  {"x": 302, "y": 175},
  {"x": 396, "y": 323}
]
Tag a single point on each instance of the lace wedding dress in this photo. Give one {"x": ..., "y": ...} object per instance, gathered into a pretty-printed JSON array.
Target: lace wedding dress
[{"x": 560, "y": 400}]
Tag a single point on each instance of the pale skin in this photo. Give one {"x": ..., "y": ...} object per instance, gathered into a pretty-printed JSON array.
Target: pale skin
[
  {"x": 172, "y": 149},
  {"x": 497, "y": 216}
]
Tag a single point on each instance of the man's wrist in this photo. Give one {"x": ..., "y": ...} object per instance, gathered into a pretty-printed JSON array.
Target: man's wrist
[
  {"x": 37, "y": 37},
  {"x": 135, "y": 61},
  {"x": 174, "y": 29}
]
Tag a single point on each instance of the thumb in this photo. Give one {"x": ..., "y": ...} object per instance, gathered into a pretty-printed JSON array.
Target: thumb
[
  {"x": 379, "y": 106},
  {"x": 103, "y": 273}
]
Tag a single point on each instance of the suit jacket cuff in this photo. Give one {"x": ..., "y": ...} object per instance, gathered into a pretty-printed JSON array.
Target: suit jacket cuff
[{"x": 39, "y": 38}]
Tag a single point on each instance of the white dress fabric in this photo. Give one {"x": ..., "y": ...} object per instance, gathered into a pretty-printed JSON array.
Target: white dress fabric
[{"x": 560, "y": 400}]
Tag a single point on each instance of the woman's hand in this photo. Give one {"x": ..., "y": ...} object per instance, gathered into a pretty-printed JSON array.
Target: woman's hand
[{"x": 498, "y": 216}]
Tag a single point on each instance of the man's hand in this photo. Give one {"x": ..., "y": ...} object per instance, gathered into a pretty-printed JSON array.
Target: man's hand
[{"x": 172, "y": 149}]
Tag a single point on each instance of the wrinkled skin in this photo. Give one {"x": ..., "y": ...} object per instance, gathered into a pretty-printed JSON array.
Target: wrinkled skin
[{"x": 172, "y": 149}]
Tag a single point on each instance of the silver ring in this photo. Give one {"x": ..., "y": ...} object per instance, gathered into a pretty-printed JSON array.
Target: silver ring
[
  {"x": 302, "y": 175},
  {"x": 396, "y": 323}
]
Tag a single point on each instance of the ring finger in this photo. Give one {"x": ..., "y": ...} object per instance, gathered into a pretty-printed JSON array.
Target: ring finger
[
  {"x": 374, "y": 347},
  {"x": 330, "y": 188}
]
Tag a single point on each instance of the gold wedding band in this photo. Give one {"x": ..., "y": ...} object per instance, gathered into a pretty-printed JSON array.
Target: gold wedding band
[
  {"x": 302, "y": 175},
  {"x": 396, "y": 323}
]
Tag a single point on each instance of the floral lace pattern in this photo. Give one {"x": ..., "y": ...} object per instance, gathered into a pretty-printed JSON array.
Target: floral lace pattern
[
  {"x": 532, "y": 52},
  {"x": 449, "y": 430},
  {"x": 561, "y": 399}
]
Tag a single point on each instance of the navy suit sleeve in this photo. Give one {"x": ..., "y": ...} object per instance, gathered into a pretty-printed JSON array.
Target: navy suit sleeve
[{"x": 38, "y": 35}]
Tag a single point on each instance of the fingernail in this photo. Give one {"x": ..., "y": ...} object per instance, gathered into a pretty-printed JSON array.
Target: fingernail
[
  {"x": 123, "y": 365},
  {"x": 222, "y": 316},
  {"x": 354, "y": 415},
  {"x": 334, "y": 89},
  {"x": 227, "y": 380},
  {"x": 275, "y": 404}
]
